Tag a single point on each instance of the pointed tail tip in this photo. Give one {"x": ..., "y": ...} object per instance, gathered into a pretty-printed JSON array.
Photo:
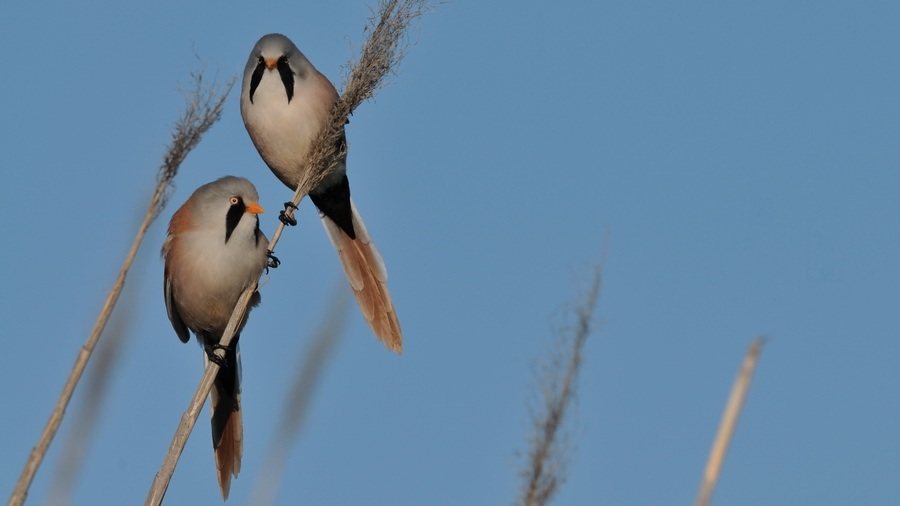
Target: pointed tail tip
[
  {"x": 396, "y": 347},
  {"x": 230, "y": 447},
  {"x": 387, "y": 330},
  {"x": 224, "y": 476},
  {"x": 393, "y": 342}
]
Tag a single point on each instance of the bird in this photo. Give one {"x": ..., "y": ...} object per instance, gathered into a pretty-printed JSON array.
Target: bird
[
  {"x": 285, "y": 103},
  {"x": 214, "y": 251}
]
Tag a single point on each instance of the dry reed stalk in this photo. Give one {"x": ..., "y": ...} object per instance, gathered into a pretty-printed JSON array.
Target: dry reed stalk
[
  {"x": 546, "y": 466},
  {"x": 728, "y": 423},
  {"x": 77, "y": 441},
  {"x": 204, "y": 108}
]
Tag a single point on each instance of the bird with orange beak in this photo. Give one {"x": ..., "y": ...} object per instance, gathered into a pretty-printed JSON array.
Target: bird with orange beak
[
  {"x": 213, "y": 253},
  {"x": 285, "y": 104}
]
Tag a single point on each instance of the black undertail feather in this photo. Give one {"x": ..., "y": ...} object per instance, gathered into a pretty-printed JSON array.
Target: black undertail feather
[
  {"x": 225, "y": 385},
  {"x": 334, "y": 202}
]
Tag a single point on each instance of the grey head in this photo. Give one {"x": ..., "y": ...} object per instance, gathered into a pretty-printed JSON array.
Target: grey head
[
  {"x": 274, "y": 54},
  {"x": 228, "y": 201}
]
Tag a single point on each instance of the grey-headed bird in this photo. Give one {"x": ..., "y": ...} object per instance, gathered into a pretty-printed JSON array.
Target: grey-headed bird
[
  {"x": 214, "y": 251},
  {"x": 285, "y": 103}
]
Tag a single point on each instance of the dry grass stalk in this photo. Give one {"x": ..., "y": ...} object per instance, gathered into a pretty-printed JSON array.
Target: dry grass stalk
[
  {"x": 309, "y": 372},
  {"x": 728, "y": 423},
  {"x": 382, "y": 52},
  {"x": 76, "y": 443},
  {"x": 546, "y": 465},
  {"x": 204, "y": 108}
]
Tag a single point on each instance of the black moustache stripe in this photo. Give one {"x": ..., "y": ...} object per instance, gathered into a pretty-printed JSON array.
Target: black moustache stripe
[
  {"x": 256, "y": 78},
  {"x": 257, "y": 233},
  {"x": 287, "y": 77},
  {"x": 233, "y": 217}
]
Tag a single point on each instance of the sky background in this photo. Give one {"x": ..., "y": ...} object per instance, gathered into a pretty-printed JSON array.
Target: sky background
[{"x": 737, "y": 161}]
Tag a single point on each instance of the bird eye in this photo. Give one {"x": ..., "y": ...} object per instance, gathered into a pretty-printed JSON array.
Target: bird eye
[
  {"x": 284, "y": 59},
  {"x": 260, "y": 59},
  {"x": 234, "y": 200}
]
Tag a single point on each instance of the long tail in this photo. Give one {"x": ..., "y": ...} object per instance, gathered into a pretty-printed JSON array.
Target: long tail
[
  {"x": 227, "y": 422},
  {"x": 367, "y": 275}
]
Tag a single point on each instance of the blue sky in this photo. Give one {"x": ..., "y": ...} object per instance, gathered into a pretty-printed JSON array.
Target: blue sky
[{"x": 739, "y": 162}]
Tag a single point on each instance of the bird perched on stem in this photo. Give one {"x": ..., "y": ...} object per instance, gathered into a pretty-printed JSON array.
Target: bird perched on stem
[
  {"x": 285, "y": 103},
  {"x": 214, "y": 251}
]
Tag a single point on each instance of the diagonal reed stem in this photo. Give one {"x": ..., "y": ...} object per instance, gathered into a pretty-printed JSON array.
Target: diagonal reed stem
[
  {"x": 203, "y": 110},
  {"x": 728, "y": 423},
  {"x": 545, "y": 469}
]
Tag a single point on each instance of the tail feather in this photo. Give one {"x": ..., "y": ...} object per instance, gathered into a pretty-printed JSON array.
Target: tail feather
[
  {"x": 367, "y": 275},
  {"x": 227, "y": 422}
]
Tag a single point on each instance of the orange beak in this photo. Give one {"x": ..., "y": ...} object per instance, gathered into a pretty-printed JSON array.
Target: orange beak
[
  {"x": 271, "y": 63},
  {"x": 254, "y": 208}
]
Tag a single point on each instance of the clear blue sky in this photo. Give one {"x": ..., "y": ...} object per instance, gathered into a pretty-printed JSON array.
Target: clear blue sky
[{"x": 740, "y": 161}]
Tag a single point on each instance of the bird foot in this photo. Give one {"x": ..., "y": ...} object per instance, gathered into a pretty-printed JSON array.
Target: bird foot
[
  {"x": 211, "y": 353},
  {"x": 285, "y": 218},
  {"x": 274, "y": 262}
]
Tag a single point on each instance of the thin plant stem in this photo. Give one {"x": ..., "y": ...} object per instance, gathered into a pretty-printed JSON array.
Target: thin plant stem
[
  {"x": 95, "y": 390},
  {"x": 204, "y": 108},
  {"x": 545, "y": 468},
  {"x": 729, "y": 423}
]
